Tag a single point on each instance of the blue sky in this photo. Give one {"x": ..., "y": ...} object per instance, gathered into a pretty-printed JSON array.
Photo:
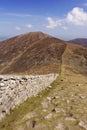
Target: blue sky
[{"x": 65, "y": 19}]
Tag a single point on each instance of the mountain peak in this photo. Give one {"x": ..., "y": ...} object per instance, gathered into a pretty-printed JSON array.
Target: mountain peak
[
  {"x": 39, "y": 35},
  {"x": 39, "y": 53}
]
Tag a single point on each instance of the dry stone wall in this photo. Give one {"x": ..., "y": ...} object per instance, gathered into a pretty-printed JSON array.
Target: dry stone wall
[{"x": 14, "y": 90}]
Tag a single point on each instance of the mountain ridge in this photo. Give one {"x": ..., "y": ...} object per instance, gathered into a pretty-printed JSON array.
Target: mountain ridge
[
  {"x": 39, "y": 53},
  {"x": 60, "y": 105},
  {"x": 80, "y": 41}
]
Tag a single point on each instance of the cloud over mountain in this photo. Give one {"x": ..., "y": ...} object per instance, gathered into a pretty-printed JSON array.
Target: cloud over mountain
[
  {"x": 77, "y": 16},
  {"x": 53, "y": 23},
  {"x": 18, "y": 28},
  {"x": 29, "y": 25}
]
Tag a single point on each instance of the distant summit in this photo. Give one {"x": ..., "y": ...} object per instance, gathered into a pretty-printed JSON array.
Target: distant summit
[
  {"x": 80, "y": 41},
  {"x": 2, "y": 38}
]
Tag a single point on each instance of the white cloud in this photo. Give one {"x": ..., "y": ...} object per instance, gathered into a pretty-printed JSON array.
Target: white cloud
[
  {"x": 65, "y": 28},
  {"x": 18, "y": 28},
  {"x": 52, "y": 23},
  {"x": 77, "y": 16},
  {"x": 18, "y": 15},
  {"x": 29, "y": 26}
]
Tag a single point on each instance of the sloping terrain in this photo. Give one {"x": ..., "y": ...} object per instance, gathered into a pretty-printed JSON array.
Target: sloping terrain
[
  {"x": 75, "y": 59},
  {"x": 39, "y": 53},
  {"x": 60, "y": 107},
  {"x": 30, "y": 53},
  {"x": 80, "y": 41},
  {"x": 63, "y": 105}
]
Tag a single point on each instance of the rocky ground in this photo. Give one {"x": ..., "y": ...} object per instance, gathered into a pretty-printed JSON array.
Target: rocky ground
[{"x": 62, "y": 106}]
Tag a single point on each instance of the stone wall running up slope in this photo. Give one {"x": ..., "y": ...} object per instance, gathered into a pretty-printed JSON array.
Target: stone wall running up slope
[{"x": 14, "y": 90}]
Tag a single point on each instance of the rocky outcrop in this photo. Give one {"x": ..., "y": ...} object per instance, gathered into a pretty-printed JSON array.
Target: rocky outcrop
[{"x": 14, "y": 90}]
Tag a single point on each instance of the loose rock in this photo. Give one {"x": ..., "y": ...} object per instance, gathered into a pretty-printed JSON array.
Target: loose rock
[
  {"x": 83, "y": 125},
  {"x": 61, "y": 127},
  {"x": 49, "y": 116}
]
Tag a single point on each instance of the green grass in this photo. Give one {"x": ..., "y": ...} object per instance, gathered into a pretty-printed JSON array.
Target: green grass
[
  {"x": 63, "y": 86},
  {"x": 28, "y": 106}
]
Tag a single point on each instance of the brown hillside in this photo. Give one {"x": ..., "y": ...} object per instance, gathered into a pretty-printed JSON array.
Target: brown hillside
[
  {"x": 75, "y": 58},
  {"x": 31, "y": 53},
  {"x": 40, "y": 53},
  {"x": 80, "y": 41}
]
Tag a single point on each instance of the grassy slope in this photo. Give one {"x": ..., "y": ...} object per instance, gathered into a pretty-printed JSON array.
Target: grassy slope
[
  {"x": 75, "y": 59},
  {"x": 27, "y": 55},
  {"x": 18, "y": 120},
  {"x": 69, "y": 88}
]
